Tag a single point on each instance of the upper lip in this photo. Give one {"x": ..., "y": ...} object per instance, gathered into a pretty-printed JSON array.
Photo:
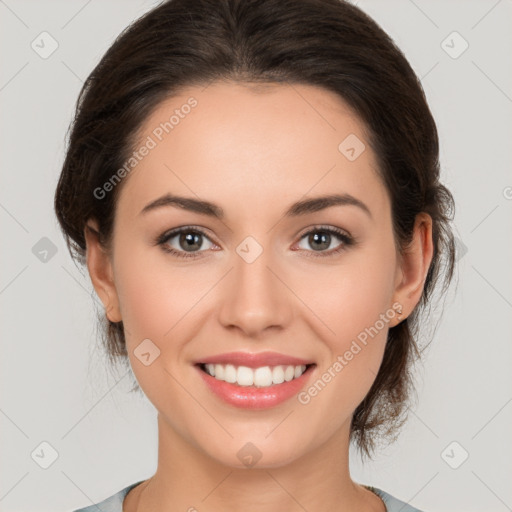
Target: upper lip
[{"x": 254, "y": 360}]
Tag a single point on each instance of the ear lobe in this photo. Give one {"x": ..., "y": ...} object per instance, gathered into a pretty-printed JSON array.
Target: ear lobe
[
  {"x": 415, "y": 263},
  {"x": 99, "y": 265}
]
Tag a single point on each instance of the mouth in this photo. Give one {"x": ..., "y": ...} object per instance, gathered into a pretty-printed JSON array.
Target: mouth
[
  {"x": 254, "y": 380},
  {"x": 257, "y": 388},
  {"x": 259, "y": 377}
]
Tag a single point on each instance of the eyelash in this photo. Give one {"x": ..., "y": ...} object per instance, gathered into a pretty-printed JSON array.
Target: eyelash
[{"x": 344, "y": 237}]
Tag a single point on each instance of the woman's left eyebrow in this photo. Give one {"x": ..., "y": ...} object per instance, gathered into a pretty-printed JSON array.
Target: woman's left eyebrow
[
  {"x": 303, "y": 207},
  {"x": 316, "y": 204}
]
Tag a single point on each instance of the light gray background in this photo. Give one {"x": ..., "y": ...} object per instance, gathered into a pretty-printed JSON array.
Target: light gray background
[{"x": 55, "y": 387}]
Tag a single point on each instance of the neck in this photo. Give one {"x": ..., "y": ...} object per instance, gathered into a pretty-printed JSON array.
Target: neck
[{"x": 188, "y": 479}]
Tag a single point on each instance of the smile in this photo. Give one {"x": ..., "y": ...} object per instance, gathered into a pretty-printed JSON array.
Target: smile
[
  {"x": 254, "y": 388},
  {"x": 264, "y": 376}
]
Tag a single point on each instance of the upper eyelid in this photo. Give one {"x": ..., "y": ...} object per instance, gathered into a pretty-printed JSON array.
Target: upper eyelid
[{"x": 320, "y": 227}]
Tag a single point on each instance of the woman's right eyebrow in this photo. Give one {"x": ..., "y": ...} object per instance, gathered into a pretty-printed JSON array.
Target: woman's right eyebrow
[
  {"x": 299, "y": 208},
  {"x": 186, "y": 203}
]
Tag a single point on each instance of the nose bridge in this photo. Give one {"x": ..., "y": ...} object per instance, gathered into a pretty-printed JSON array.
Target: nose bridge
[
  {"x": 255, "y": 298},
  {"x": 252, "y": 272}
]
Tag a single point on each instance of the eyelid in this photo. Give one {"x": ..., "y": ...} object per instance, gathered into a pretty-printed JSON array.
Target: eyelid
[{"x": 323, "y": 227}]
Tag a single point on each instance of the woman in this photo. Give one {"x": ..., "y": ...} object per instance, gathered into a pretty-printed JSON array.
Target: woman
[{"x": 254, "y": 188}]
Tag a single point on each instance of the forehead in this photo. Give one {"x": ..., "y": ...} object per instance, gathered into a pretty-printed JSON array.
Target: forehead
[{"x": 252, "y": 147}]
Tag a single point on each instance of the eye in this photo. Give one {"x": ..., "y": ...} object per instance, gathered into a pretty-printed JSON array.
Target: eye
[
  {"x": 189, "y": 237},
  {"x": 186, "y": 237},
  {"x": 320, "y": 238}
]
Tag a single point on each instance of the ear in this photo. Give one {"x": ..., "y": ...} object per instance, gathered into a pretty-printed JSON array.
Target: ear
[
  {"x": 414, "y": 265},
  {"x": 99, "y": 265}
]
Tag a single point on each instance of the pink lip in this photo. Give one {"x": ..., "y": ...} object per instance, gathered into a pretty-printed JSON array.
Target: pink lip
[
  {"x": 252, "y": 397},
  {"x": 254, "y": 360}
]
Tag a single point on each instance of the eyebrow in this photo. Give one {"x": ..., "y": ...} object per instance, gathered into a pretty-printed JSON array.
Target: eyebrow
[{"x": 297, "y": 209}]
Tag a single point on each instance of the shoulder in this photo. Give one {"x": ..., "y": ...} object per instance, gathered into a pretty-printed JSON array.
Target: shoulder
[
  {"x": 113, "y": 503},
  {"x": 393, "y": 504}
]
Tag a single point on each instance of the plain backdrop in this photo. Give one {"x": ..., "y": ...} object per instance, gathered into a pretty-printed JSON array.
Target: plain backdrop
[{"x": 60, "y": 407}]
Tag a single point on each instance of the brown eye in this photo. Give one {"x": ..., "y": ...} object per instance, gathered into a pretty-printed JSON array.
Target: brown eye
[
  {"x": 188, "y": 242},
  {"x": 320, "y": 239}
]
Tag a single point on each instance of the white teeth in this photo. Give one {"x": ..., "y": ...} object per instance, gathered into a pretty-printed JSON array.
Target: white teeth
[
  {"x": 278, "y": 375},
  {"x": 260, "y": 377},
  {"x": 230, "y": 373},
  {"x": 219, "y": 370},
  {"x": 289, "y": 373},
  {"x": 244, "y": 376},
  {"x": 263, "y": 377}
]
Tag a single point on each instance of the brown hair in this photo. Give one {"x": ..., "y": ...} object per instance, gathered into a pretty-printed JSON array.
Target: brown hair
[{"x": 328, "y": 43}]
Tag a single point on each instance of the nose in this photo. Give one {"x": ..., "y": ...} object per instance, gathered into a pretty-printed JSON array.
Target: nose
[{"x": 255, "y": 297}]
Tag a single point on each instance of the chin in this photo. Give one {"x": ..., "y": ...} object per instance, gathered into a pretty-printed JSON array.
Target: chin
[{"x": 256, "y": 453}]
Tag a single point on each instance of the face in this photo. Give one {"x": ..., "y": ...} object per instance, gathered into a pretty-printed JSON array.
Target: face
[{"x": 319, "y": 284}]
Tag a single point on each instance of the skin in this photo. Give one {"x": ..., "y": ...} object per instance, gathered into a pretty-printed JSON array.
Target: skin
[{"x": 255, "y": 151}]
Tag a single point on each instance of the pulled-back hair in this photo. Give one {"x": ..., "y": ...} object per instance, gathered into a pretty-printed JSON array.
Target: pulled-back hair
[{"x": 327, "y": 43}]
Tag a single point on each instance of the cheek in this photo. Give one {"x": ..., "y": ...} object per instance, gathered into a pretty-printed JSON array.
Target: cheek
[
  {"x": 353, "y": 357},
  {"x": 354, "y": 302},
  {"x": 156, "y": 302},
  {"x": 153, "y": 295},
  {"x": 351, "y": 296}
]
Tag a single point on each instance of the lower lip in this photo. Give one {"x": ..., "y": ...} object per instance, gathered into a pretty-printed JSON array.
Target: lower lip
[{"x": 251, "y": 397}]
